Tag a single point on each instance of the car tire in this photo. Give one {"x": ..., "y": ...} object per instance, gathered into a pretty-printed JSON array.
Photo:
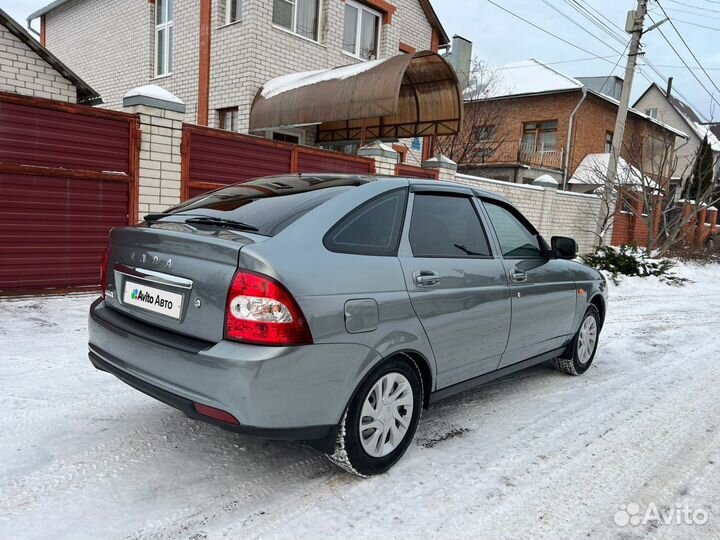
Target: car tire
[
  {"x": 392, "y": 393},
  {"x": 583, "y": 346}
]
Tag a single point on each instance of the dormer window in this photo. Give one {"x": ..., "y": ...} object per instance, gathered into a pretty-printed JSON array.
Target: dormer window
[{"x": 361, "y": 36}]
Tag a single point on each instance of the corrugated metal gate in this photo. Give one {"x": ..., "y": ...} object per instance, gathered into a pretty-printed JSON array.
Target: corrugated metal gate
[
  {"x": 68, "y": 174},
  {"x": 214, "y": 158}
]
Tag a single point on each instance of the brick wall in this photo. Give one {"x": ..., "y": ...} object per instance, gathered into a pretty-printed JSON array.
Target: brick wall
[
  {"x": 22, "y": 71},
  {"x": 552, "y": 212},
  {"x": 593, "y": 120},
  {"x": 108, "y": 43}
]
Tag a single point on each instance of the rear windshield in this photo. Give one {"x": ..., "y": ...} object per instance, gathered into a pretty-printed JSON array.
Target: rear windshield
[{"x": 267, "y": 204}]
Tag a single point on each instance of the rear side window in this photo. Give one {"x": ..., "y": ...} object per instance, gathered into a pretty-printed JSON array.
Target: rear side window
[
  {"x": 372, "y": 228},
  {"x": 446, "y": 226},
  {"x": 516, "y": 239}
]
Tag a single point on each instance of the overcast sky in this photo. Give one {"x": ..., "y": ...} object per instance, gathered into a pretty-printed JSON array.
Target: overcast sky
[{"x": 499, "y": 38}]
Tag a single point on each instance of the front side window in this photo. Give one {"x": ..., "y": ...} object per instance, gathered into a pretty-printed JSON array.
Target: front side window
[
  {"x": 516, "y": 239},
  {"x": 446, "y": 226},
  {"x": 232, "y": 13},
  {"x": 164, "y": 16},
  {"x": 299, "y": 16},
  {"x": 540, "y": 137},
  {"x": 371, "y": 229},
  {"x": 361, "y": 34}
]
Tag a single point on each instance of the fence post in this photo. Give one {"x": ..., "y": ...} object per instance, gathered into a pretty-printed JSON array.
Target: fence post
[
  {"x": 550, "y": 187},
  {"x": 386, "y": 159},
  {"x": 445, "y": 167},
  {"x": 161, "y": 116}
]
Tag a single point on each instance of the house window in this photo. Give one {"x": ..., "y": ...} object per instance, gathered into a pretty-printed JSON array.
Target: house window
[
  {"x": 233, "y": 10},
  {"x": 228, "y": 119},
  {"x": 294, "y": 136},
  {"x": 608, "y": 141},
  {"x": 652, "y": 113},
  {"x": 163, "y": 37},
  {"x": 361, "y": 35},
  {"x": 299, "y": 16},
  {"x": 540, "y": 137},
  {"x": 485, "y": 133}
]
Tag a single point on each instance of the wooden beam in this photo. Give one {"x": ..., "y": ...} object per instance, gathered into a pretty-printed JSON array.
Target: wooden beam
[
  {"x": 404, "y": 47},
  {"x": 43, "y": 35}
]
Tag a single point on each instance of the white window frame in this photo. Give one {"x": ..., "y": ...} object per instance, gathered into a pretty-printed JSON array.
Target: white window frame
[
  {"x": 167, "y": 25},
  {"x": 293, "y": 30},
  {"x": 228, "y": 10},
  {"x": 358, "y": 33}
]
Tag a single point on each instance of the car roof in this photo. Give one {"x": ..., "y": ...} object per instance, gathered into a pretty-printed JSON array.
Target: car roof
[{"x": 353, "y": 178}]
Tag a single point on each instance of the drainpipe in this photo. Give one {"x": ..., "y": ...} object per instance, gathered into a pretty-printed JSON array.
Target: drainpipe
[{"x": 571, "y": 124}]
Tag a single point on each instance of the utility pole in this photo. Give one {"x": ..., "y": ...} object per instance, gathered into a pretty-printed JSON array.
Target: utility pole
[{"x": 634, "y": 26}]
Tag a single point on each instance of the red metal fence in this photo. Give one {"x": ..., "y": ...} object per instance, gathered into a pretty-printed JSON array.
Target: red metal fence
[
  {"x": 214, "y": 158},
  {"x": 415, "y": 172},
  {"x": 68, "y": 174}
]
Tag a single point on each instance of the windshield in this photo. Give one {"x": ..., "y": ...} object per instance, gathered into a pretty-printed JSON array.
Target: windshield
[{"x": 267, "y": 204}]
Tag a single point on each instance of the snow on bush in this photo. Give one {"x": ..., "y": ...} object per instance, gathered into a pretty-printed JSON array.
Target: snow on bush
[{"x": 631, "y": 261}]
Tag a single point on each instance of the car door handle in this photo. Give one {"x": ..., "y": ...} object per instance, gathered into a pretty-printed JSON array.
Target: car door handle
[
  {"x": 426, "y": 278},
  {"x": 518, "y": 276}
]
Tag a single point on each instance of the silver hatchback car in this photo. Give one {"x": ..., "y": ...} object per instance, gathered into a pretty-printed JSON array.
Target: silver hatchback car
[{"x": 334, "y": 308}]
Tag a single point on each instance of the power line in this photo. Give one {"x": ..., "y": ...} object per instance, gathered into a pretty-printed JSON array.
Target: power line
[
  {"x": 593, "y": 20},
  {"x": 687, "y": 47},
  {"x": 547, "y": 3},
  {"x": 576, "y": 60},
  {"x": 609, "y": 24},
  {"x": 683, "y": 67},
  {"x": 694, "y": 7},
  {"x": 547, "y": 31},
  {"x": 695, "y": 13},
  {"x": 698, "y": 25}
]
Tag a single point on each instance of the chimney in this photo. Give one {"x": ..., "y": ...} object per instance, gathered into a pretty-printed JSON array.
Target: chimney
[
  {"x": 460, "y": 59},
  {"x": 669, "y": 87}
]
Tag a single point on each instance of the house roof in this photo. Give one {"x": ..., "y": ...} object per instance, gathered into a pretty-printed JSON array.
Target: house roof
[
  {"x": 696, "y": 124},
  {"x": 85, "y": 94},
  {"x": 435, "y": 21},
  {"x": 424, "y": 4},
  {"x": 593, "y": 167},
  {"x": 533, "y": 78}
]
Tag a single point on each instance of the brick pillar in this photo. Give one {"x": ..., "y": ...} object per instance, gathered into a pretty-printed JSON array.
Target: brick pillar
[
  {"x": 712, "y": 217},
  {"x": 700, "y": 228},
  {"x": 161, "y": 117},
  {"x": 446, "y": 167},
  {"x": 688, "y": 224},
  {"x": 550, "y": 187},
  {"x": 385, "y": 157}
]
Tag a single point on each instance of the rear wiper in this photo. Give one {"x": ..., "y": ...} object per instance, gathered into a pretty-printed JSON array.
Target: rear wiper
[
  {"x": 466, "y": 250},
  {"x": 221, "y": 222}
]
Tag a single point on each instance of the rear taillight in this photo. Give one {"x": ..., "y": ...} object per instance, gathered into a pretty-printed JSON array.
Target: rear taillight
[
  {"x": 260, "y": 310},
  {"x": 103, "y": 271}
]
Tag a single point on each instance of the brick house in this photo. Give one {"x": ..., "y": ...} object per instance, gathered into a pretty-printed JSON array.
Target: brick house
[
  {"x": 667, "y": 107},
  {"x": 216, "y": 54},
  {"x": 548, "y": 122},
  {"x": 29, "y": 69}
]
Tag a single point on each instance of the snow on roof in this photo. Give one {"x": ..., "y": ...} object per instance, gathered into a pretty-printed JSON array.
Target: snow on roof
[
  {"x": 155, "y": 92},
  {"x": 531, "y": 77},
  {"x": 534, "y": 77},
  {"x": 593, "y": 167},
  {"x": 285, "y": 83}
]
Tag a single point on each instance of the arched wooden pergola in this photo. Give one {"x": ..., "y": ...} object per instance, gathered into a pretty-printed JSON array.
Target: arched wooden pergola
[{"x": 408, "y": 95}]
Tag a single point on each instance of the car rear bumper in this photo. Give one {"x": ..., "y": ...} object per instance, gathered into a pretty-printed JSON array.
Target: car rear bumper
[{"x": 292, "y": 393}]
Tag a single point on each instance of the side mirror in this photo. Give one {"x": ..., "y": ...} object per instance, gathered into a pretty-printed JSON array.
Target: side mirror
[{"x": 564, "y": 247}]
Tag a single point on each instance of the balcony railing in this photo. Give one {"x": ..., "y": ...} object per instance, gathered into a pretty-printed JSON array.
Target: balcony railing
[{"x": 509, "y": 153}]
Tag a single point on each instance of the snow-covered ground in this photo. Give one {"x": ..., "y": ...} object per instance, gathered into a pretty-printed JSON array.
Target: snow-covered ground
[{"x": 535, "y": 455}]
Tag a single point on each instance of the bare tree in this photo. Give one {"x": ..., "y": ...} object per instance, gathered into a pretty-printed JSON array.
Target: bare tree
[
  {"x": 478, "y": 138},
  {"x": 642, "y": 189}
]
